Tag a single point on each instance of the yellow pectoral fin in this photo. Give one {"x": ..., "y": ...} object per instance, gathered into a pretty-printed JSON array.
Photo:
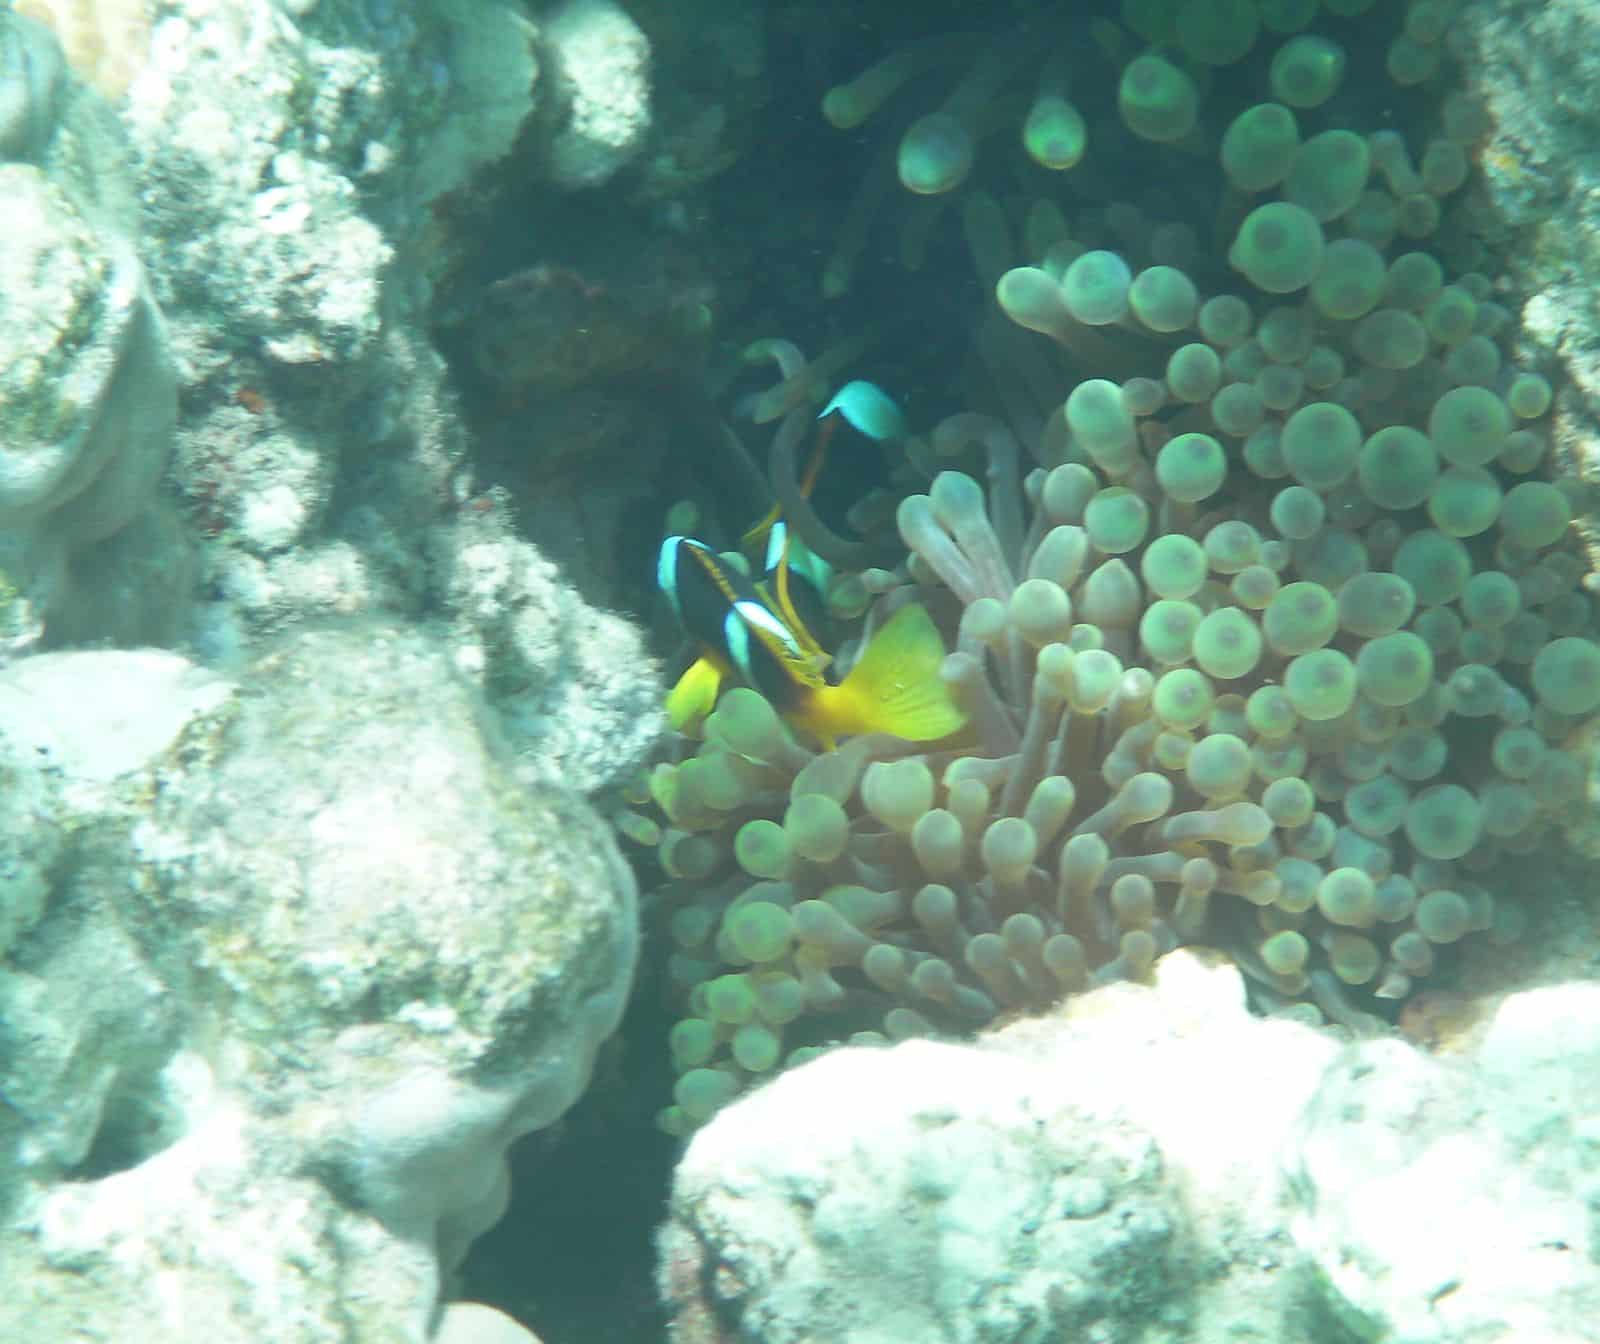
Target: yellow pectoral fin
[
  {"x": 756, "y": 537},
  {"x": 895, "y": 688},
  {"x": 694, "y": 697}
]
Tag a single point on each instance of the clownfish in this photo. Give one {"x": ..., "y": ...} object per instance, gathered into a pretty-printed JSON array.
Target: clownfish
[{"x": 751, "y": 632}]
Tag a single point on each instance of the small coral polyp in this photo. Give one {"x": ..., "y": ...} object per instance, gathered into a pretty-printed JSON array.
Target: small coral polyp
[{"x": 1263, "y": 604}]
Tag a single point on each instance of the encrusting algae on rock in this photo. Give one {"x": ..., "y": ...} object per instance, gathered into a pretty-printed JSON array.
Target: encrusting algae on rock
[{"x": 1264, "y": 609}]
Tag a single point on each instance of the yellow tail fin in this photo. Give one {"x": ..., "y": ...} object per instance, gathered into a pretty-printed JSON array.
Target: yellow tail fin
[{"x": 895, "y": 688}]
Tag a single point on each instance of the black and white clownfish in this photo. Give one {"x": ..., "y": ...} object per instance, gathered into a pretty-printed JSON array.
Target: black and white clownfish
[
  {"x": 755, "y": 632},
  {"x": 752, "y": 633}
]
